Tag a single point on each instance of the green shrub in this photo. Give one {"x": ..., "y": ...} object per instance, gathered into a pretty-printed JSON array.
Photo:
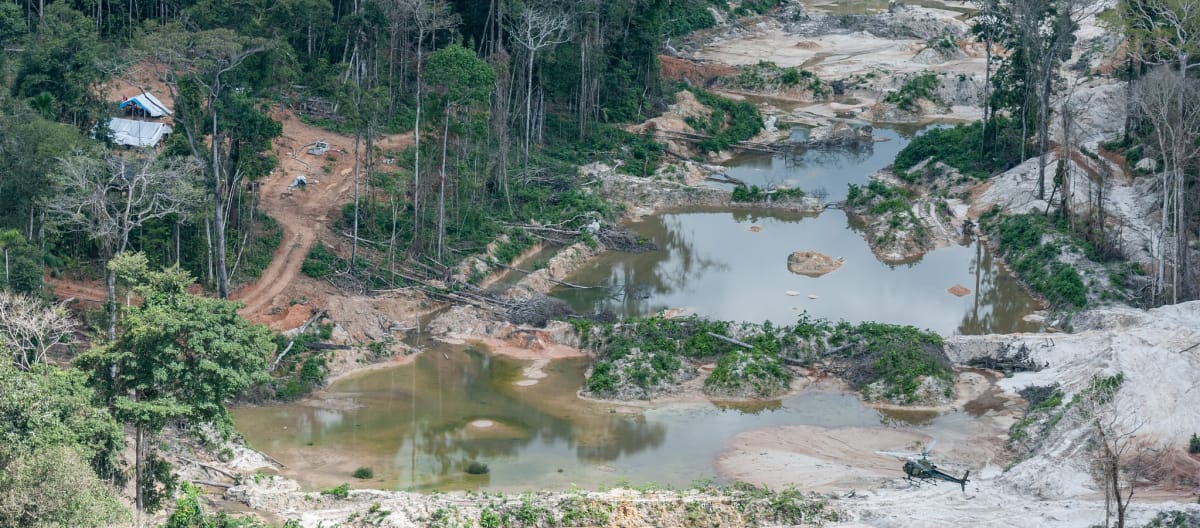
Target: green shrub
[
  {"x": 1023, "y": 243},
  {"x": 340, "y": 491},
  {"x": 750, "y": 372},
  {"x": 964, "y": 148},
  {"x": 490, "y": 519},
  {"x": 754, "y": 193},
  {"x": 320, "y": 262},
  {"x": 476, "y": 467},
  {"x": 923, "y": 86},
  {"x": 364, "y": 473},
  {"x": 1194, "y": 445}
]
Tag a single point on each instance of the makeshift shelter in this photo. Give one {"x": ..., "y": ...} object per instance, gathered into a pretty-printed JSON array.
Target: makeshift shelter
[
  {"x": 131, "y": 133},
  {"x": 146, "y": 104}
]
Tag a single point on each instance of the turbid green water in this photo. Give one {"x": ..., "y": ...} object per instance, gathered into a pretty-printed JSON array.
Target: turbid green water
[
  {"x": 412, "y": 425},
  {"x": 714, "y": 264}
]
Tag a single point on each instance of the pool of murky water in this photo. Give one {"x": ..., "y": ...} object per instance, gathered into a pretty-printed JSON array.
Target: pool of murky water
[
  {"x": 419, "y": 426},
  {"x": 733, "y": 266}
]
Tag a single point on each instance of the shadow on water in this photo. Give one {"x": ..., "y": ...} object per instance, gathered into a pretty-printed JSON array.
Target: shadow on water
[{"x": 418, "y": 426}]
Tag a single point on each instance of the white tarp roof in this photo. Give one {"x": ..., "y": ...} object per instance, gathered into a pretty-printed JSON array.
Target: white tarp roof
[
  {"x": 133, "y": 133},
  {"x": 150, "y": 104}
]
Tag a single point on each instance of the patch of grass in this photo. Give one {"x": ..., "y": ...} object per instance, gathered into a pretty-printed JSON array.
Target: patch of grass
[
  {"x": 730, "y": 122},
  {"x": 341, "y": 491},
  {"x": 320, "y": 262},
  {"x": 1024, "y": 242},
  {"x": 364, "y": 473},
  {"x": 923, "y": 86}
]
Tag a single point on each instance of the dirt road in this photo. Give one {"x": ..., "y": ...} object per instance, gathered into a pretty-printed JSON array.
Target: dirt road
[{"x": 304, "y": 214}]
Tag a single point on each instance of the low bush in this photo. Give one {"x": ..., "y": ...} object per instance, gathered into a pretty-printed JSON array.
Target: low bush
[
  {"x": 749, "y": 373},
  {"x": 341, "y": 491},
  {"x": 476, "y": 467},
  {"x": 965, "y": 148},
  {"x": 923, "y": 86},
  {"x": 730, "y": 122},
  {"x": 363, "y": 473},
  {"x": 754, "y": 193},
  {"x": 320, "y": 262}
]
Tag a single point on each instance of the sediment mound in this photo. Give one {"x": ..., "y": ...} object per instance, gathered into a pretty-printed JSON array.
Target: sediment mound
[{"x": 812, "y": 264}]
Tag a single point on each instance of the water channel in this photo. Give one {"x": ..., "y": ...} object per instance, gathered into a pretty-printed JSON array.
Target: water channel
[{"x": 418, "y": 426}]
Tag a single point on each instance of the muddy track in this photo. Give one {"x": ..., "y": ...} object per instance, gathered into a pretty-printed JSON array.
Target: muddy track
[{"x": 304, "y": 214}]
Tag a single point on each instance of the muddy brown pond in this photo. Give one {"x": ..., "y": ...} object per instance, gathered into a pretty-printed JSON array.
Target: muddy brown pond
[{"x": 419, "y": 426}]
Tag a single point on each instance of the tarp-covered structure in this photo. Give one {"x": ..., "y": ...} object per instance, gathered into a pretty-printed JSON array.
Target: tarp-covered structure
[
  {"x": 146, "y": 103},
  {"x": 131, "y": 133}
]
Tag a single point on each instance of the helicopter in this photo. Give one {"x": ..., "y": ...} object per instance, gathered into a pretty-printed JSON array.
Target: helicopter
[{"x": 918, "y": 467}]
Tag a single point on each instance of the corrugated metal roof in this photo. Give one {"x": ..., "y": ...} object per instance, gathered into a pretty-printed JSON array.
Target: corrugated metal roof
[
  {"x": 133, "y": 133},
  {"x": 150, "y": 104}
]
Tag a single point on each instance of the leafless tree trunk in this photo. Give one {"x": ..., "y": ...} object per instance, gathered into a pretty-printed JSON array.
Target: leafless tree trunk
[
  {"x": 30, "y": 329},
  {"x": 1174, "y": 129},
  {"x": 107, "y": 199},
  {"x": 535, "y": 30},
  {"x": 429, "y": 17}
]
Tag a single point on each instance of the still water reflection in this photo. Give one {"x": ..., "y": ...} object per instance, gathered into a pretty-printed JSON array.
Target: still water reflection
[
  {"x": 416, "y": 427},
  {"x": 716, "y": 265},
  {"x": 827, "y": 169}
]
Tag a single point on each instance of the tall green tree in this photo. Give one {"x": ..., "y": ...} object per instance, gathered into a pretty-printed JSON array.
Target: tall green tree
[
  {"x": 22, "y": 265},
  {"x": 461, "y": 82},
  {"x": 59, "y": 450},
  {"x": 177, "y": 356},
  {"x": 203, "y": 65},
  {"x": 61, "y": 64},
  {"x": 31, "y": 147}
]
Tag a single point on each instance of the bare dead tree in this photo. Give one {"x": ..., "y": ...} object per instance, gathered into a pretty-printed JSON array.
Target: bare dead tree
[
  {"x": 1171, "y": 29},
  {"x": 30, "y": 329},
  {"x": 427, "y": 17},
  {"x": 1173, "y": 136},
  {"x": 108, "y": 198},
  {"x": 1120, "y": 457},
  {"x": 535, "y": 30}
]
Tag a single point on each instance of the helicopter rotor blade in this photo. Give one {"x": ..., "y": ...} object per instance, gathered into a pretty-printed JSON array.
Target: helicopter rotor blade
[
  {"x": 898, "y": 454},
  {"x": 928, "y": 447}
]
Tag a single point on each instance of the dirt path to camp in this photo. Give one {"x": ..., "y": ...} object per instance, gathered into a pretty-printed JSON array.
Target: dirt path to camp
[{"x": 304, "y": 214}]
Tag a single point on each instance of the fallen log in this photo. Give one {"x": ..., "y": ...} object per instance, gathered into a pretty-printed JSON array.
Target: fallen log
[
  {"x": 303, "y": 327},
  {"x": 327, "y": 346},
  {"x": 731, "y": 340}
]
